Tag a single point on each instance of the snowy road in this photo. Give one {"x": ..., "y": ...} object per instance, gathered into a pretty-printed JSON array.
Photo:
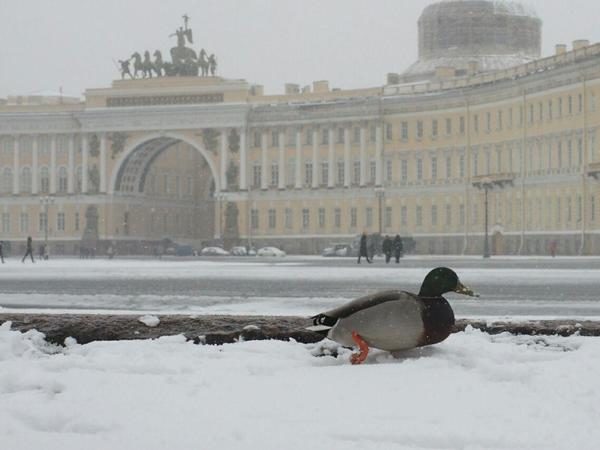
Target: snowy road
[{"x": 509, "y": 287}]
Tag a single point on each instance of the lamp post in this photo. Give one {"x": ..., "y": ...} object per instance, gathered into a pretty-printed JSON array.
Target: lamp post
[
  {"x": 45, "y": 202},
  {"x": 380, "y": 194},
  {"x": 487, "y": 183}
]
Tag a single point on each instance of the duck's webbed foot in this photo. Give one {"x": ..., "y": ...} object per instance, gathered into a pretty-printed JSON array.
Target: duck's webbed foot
[{"x": 359, "y": 358}]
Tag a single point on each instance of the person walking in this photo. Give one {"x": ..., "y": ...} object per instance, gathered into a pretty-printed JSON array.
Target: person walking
[
  {"x": 2, "y": 252},
  {"x": 387, "y": 248},
  {"x": 397, "y": 246},
  {"x": 29, "y": 250},
  {"x": 363, "y": 249}
]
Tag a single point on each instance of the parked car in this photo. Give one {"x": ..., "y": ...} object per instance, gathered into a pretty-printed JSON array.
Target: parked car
[
  {"x": 337, "y": 250},
  {"x": 238, "y": 251},
  {"x": 270, "y": 251},
  {"x": 214, "y": 251},
  {"x": 184, "y": 250}
]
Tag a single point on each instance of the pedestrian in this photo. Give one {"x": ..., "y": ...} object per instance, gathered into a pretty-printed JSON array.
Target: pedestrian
[
  {"x": 387, "y": 248},
  {"x": 1, "y": 252},
  {"x": 29, "y": 250},
  {"x": 397, "y": 245},
  {"x": 553, "y": 246},
  {"x": 363, "y": 250}
]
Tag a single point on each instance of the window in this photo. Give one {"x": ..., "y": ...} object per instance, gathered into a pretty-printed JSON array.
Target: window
[
  {"x": 5, "y": 222},
  {"x": 353, "y": 217},
  {"x": 373, "y": 133},
  {"x": 461, "y": 214},
  {"x": 166, "y": 186},
  {"x": 500, "y": 124},
  {"x": 388, "y": 216},
  {"x": 256, "y": 176},
  {"x": 356, "y": 138},
  {"x": 308, "y": 173},
  {"x": 404, "y": 131},
  {"x": 488, "y": 121},
  {"x": 340, "y": 139},
  {"x": 321, "y": 217},
  {"x": 44, "y": 180},
  {"x": 369, "y": 217},
  {"x": 419, "y": 169},
  {"x": 580, "y": 103},
  {"x": 60, "y": 221},
  {"x": 126, "y": 223},
  {"x": 272, "y": 218},
  {"x": 274, "y": 174},
  {"x": 433, "y": 168},
  {"x": 461, "y": 166},
  {"x": 570, "y": 105},
  {"x": 388, "y": 171},
  {"x": 404, "y": 170},
  {"x": 340, "y": 173},
  {"x": 190, "y": 186},
  {"x": 580, "y": 151},
  {"x": 43, "y": 222},
  {"x": 476, "y": 123},
  {"x": 419, "y": 216},
  {"x": 475, "y": 165},
  {"x": 309, "y": 137},
  {"x": 550, "y": 109},
  {"x": 257, "y": 139},
  {"x": 448, "y": 127},
  {"x": 254, "y": 219},
  {"x": 356, "y": 177},
  {"x": 337, "y": 217},
  {"x": 372, "y": 171},
  {"x": 324, "y": 173},
  {"x": 388, "y": 131},
  {"x": 324, "y": 137},
  {"x": 77, "y": 221},
  {"x": 434, "y": 215},
  {"x": 461, "y": 125},
  {"x": 7, "y": 180},
  {"x": 275, "y": 139},
  {"x": 448, "y": 167},
  {"x": 540, "y": 112},
  {"x": 560, "y": 107},
  {"x": 531, "y": 113},
  {"x": 288, "y": 218},
  {"x": 448, "y": 215},
  {"x": 475, "y": 214},
  {"x": 419, "y": 129},
  {"x": 305, "y": 218},
  {"x": 403, "y": 216},
  {"x": 24, "y": 223},
  {"x": 25, "y": 180},
  {"x": 434, "y": 128},
  {"x": 510, "y": 117}
]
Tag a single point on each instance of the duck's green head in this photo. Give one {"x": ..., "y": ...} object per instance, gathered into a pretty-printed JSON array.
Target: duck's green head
[{"x": 442, "y": 280}]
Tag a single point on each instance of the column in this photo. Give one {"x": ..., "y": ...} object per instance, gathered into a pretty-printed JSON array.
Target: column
[
  {"x": 71, "y": 168},
  {"x": 34, "y": 166},
  {"x": 331, "y": 160},
  {"x": 379, "y": 156},
  {"x": 363, "y": 155},
  {"x": 224, "y": 158},
  {"x": 85, "y": 149},
  {"x": 315, "y": 159},
  {"x": 103, "y": 163},
  {"x": 298, "y": 167},
  {"x": 264, "y": 185},
  {"x": 281, "y": 160},
  {"x": 52, "y": 174},
  {"x": 16, "y": 166},
  {"x": 243, "y": 161},
  {"x": 347, "y": 163}
]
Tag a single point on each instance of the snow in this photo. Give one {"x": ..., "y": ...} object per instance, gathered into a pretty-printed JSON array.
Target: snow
[
  {"x": 473, "y": 391},
  {"x": 149, "y": 320}
]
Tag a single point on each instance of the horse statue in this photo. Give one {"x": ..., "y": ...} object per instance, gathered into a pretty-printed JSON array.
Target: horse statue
[
  {"x": 203, "y": 64},
  {"x": 138, "y": 65},
  {"x": 158, "y": 63},
  {"x": 147, "y": 65}
]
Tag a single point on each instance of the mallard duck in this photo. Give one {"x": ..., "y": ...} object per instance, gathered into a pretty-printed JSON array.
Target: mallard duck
[{"x": 395, "y": 320}]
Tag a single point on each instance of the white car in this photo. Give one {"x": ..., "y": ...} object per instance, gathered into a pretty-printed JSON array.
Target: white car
[
  {"x": 270, "y": 251},
  {"x": 214, "y": 251}
]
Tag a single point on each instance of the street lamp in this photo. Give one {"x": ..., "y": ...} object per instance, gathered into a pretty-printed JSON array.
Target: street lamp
[
  {"x": 487, "y": 183},
  {"x": 45, "y": 202},
  {"x": 380, "y": 194}
]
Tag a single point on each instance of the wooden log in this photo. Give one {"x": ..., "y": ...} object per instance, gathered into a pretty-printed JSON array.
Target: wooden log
[{"x": 219, "y": 329}]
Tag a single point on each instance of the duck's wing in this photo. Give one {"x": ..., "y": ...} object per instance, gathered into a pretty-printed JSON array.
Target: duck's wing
[{"x": 329, "y": 318}]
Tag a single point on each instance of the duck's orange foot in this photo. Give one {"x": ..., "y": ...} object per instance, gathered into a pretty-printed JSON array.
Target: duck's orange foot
[{"x": 359, "y": 358}]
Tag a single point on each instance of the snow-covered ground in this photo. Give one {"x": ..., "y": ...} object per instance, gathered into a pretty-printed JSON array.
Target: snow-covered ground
[
  {"x": 473, "y": 391},
  {"x": 509, "y": 287}
]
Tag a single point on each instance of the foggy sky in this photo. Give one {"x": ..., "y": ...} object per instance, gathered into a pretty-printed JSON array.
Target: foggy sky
[{"x": 46, "y": 44}]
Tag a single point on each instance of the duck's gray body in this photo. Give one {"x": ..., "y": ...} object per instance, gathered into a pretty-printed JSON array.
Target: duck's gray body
[{"x": 390, "y": 320}]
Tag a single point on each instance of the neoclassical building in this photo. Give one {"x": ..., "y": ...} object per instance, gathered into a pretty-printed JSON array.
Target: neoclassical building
[{"x": 201, "y": 158}]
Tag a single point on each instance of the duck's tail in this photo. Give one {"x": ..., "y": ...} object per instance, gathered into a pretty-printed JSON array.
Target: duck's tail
[{"x": 322, "y": 324}]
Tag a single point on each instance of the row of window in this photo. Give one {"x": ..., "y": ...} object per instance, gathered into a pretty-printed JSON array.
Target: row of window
[
  {"x": 43, "y": 225},
  {"x": 170, "y": 184},
  {"x": 570, "y": 209},
  {"x": 500, "y": 119},
  {"x": 26, "y": 177}
]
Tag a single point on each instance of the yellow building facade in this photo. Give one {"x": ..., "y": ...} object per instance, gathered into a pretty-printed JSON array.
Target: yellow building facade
[{"x": 200, "y": 159}]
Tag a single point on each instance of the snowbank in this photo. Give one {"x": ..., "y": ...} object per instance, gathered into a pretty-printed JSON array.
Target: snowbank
[{"x": 474, "y": 391}]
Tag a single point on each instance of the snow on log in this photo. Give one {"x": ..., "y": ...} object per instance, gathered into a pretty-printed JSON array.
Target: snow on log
[{"x": 220, "y": 329}]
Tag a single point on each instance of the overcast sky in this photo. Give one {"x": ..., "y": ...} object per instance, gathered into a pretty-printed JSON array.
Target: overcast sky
[{"x": 46, "y": 44}]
